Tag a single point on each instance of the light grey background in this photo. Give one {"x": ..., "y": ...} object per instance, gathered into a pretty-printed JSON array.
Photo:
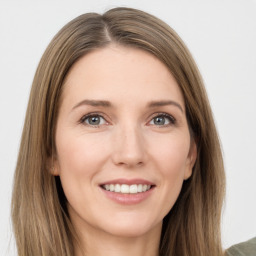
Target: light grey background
[{"x": 221, "y": 35}]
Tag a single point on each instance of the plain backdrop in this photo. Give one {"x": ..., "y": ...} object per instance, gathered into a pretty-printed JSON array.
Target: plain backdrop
[{"x": 222, "y": 38}]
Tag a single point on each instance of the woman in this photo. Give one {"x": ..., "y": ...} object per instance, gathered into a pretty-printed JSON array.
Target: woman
[{"x": 119, "y": 152}]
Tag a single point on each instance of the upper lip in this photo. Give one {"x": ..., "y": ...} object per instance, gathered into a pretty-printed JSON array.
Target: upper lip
[{"x": 128, "y": 182}]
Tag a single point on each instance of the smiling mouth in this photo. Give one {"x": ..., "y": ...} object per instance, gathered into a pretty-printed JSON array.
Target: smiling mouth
[{"x": 127, "y": 189}]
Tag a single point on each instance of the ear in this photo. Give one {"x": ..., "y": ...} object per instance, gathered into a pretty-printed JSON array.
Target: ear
[
  {"x": 191, "y": 159},
  {"x": 53, "y": 166}
]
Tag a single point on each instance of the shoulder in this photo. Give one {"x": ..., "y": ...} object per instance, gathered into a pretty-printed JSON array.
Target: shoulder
[{"x": 247, "y": 248}]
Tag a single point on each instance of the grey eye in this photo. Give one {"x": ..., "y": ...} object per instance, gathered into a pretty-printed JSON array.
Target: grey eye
[
  {"x": 94, "y": 120},
  {"x": 161, "y": 120}
]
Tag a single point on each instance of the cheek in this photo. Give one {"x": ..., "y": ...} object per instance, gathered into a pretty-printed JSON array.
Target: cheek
[
  {"x": 80, "y": 158},
  {"x": 171, "y": 153},
  {"x": 170, "y": 158},
  {"x": 80, "y": 154}
]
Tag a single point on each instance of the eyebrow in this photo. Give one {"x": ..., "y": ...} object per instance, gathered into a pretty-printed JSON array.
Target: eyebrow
[
  {"x": 165, "y": 103},
  {"x": 105, "y": 103},
  {"x": 94, "y": 103}
]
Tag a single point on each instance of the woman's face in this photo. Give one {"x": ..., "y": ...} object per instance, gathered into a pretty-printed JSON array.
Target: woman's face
[{"x": 123, "y": 143}]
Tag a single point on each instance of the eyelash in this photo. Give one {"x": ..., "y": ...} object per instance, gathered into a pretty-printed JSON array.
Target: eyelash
[
  {"x": 171, "y": 119},
  {"x": 83, "y": 119}
]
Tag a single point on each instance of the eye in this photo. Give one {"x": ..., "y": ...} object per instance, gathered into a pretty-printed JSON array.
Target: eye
[
  {"x": 93, "y": 120},
  {"x": 162, "y": 120}
]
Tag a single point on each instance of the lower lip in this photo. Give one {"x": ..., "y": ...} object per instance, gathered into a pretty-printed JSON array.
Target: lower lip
[{"x": 128, "y": 199}]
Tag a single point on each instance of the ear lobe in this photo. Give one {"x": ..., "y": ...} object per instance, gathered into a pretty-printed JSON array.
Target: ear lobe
[
  {"x": 191, "y": 160},
  {"x": 54, "y": 171},
  {"x": 53, "y": 167}
]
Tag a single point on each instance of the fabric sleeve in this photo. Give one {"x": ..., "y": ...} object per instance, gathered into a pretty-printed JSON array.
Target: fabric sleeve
[{"x": 247, "y": 248}]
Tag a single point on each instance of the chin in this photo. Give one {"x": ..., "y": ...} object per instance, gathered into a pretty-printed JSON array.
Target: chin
[{"x": 131, "y": 228}]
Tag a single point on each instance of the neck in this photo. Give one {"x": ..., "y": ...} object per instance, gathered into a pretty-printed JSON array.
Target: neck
[{"x": 94, "y": 242}]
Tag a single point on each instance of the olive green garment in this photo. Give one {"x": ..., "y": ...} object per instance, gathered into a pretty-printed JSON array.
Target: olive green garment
[{"x": 247, "y": 248}]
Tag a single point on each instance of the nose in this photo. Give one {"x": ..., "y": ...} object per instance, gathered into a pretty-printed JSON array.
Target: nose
[{"x": 129, "y": 147}]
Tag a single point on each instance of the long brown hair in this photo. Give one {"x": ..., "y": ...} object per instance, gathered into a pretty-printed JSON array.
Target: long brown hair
[{"x": 40, "y": 218}]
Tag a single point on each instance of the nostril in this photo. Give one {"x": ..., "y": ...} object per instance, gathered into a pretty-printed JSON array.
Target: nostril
[{"x": 130, "y": 163}]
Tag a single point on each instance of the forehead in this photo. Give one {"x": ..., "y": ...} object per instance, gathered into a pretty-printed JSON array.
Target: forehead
[{"x": 116, "y": 72}]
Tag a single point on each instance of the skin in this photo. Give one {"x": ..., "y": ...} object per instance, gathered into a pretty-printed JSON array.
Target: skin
[{"x": 127, "y": 143}]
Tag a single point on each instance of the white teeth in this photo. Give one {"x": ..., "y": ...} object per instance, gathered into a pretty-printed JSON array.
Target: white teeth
[
  {"x": 133, "y": 189},
  {"x": 117, "y": 188},
  {"x": 126, "y": 189},
  {"x": 144, "y": 188}
]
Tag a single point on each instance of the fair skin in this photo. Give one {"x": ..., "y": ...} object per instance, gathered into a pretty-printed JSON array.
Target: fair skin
[{"x": 121, "y": 125}]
